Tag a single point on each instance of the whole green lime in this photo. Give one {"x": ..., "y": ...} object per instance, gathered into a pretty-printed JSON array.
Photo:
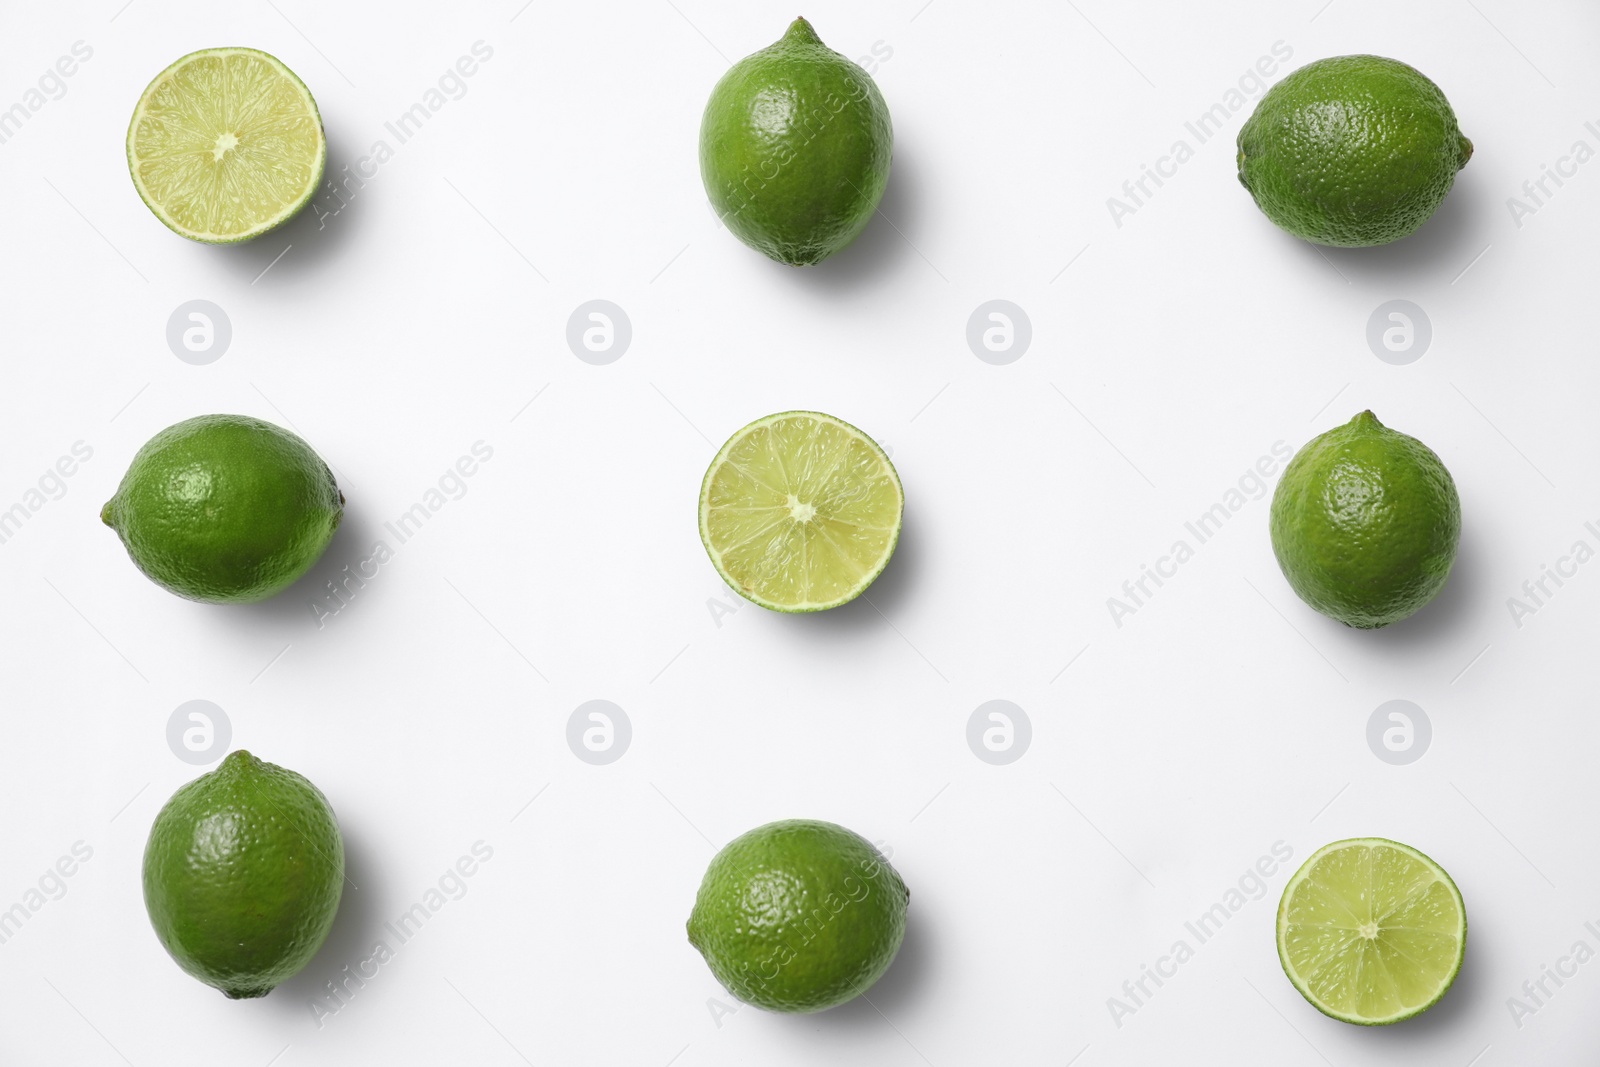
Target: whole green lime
[
  {"x": 795, "y": 146},
  {"x": 242, "y": 875},
  {"x": 1365, "y": 522},
  {"x": 1352, "y": 151},
  {"x": 799, "y": 916},
  {"x": 225, "y": 508}
]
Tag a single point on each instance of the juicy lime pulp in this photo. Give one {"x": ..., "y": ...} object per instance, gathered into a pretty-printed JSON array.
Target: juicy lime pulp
[
  {"x": 800, "y": 511},
  {"x": 799, "y": 916},
  {"x": 1371, "y": 931},
  {"x": 226, "y": 144},
  {"x": 243, "y": 873}
]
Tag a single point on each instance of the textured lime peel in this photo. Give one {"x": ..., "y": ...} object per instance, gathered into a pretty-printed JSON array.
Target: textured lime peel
[
  {"x": 225, "y": 509},
  {"x": 799, "y": 916},
  {"x": 1371, "y": 931},
  {"x": 1351, "y": 151},
  {"x": 226, "y": 144},
  {"x": 243, "y": 873},
  {"x": 1365, "y": 523},
  {"x": 800, "y": 511},
  {"x": 795, "y": 148}
]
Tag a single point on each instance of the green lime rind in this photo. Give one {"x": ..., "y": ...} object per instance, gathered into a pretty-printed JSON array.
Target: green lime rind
[
  {"x": 795, "y": 149},
  {"x": 749, "y": 581},
  {"x": 799, "y": 916},
  {"x": 225, "y": 509},
  {"x": 1351, "y": 151},
  {"x": 243, "y": 873},
  {"x": 274, "y": 215},
  {"x": 1365, "y": 524},
  {"x": 1408, "y": 964}
]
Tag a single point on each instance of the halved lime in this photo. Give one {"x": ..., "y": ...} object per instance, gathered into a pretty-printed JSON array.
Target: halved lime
[
  {"x": 226, "y": 144},
  {"x": 1371, "y": 931},
  {"x": 800, "y": 511}
]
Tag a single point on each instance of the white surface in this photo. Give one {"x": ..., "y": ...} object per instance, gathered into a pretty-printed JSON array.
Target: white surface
[{"x": 1177, "y": 349}]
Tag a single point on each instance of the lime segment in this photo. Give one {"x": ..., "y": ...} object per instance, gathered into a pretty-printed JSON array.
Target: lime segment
[
  {"x": 800, "y": 511},
  {"x": 226, "y": 144},
  {"x": 1371, "y": 931}
]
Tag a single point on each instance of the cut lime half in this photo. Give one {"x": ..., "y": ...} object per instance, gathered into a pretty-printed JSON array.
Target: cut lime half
[
  {"x": 1371, "y": 931},
  {"x": 800, "y": 511},
  {"x": 226, "y": 144}
]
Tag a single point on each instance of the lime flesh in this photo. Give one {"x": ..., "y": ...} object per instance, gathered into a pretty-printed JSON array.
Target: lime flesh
[
  {"x": 799, "y": 916},
  {"x": 800, "y": 511},
  {"x": 226, "y": 144},
  {"x": 1371, "y": 931}
]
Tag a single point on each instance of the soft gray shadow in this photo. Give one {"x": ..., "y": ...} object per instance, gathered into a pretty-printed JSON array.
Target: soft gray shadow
[
  {"x": 909, "y": 976},
  {"x": 895, "y": 994},
  {"x": 352, "y": 543},
  {"x": 317, "y": 236},
  {"x": 883, "y": 598},
  {"x": 356, "y": 928},
  {"x": 1435, "y": 254},
  {"x": 881, "y": 250},
  {"x": 1447, "y": 620}
]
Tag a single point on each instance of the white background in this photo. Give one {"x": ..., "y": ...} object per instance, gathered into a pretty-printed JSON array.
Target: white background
[{"x": 1172, "y": 353}]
